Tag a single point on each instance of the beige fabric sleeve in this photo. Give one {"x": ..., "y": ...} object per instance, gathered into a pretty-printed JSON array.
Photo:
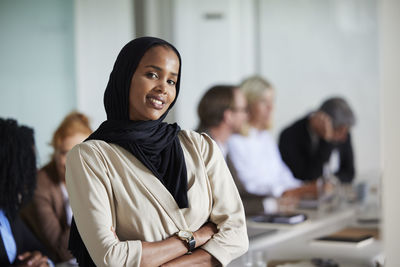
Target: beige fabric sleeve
[
  {"x": 227, "y": 213},
  {"x": 91, "y": 199}
]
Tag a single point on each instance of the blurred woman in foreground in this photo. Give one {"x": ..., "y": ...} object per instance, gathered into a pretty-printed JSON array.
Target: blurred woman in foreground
[{"x": 18, "y": 246}]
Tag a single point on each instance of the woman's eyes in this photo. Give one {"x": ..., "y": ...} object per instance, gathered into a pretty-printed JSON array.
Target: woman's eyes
[
  {"x": 153, "y": 75},
  {"x": 171, "y": 82}
]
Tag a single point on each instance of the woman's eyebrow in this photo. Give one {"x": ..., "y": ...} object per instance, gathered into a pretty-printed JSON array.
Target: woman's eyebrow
[{"x": 160, "y": 69}]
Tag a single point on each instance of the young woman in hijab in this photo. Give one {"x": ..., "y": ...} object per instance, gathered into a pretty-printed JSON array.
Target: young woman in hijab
[{"x": 144, "y": 192}]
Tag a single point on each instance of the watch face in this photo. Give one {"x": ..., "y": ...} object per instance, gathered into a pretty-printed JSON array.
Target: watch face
[{"x": 184, "y": 234}]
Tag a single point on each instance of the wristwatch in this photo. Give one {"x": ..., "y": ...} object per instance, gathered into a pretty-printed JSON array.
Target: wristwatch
[{"x": 188, "y": 237}]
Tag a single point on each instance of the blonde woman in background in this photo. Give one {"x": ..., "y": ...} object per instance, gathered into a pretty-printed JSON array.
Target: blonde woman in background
[
  {"x": 254, "y": 154},
  {"x": 49, "y": 214}
]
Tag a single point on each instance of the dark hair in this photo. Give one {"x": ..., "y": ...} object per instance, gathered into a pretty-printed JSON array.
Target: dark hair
[
  {"x": 17, "y": 165},
  {"x": 340, "y": 112},
  {"x": 213, "y": 104}
]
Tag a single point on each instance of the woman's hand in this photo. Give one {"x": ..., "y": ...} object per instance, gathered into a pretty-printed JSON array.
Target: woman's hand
[
  {"x": 205, "y": 233},
  {"x": 308, "y": 190},
  {"x": 199, "y": 258},
  {"x": 32, "y": 259},
  {"x": 173, "y": 248},
  {"x": 288, "y": 201},
  {"x": 290, "y": 198}
]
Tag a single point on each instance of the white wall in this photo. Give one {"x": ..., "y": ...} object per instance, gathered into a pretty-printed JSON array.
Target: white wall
[
  {"x": 390, "y": 63},
  {"x": 311, "y": 50},
  {"x": 37, "y": 66},
  {"x": 56, "y": 56},
  {"x": 102, "y": 28},
  {"x": 216, "y": 41}
]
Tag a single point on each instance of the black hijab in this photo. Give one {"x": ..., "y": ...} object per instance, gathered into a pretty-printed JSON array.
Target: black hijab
[{"x": 154, "y": 143}]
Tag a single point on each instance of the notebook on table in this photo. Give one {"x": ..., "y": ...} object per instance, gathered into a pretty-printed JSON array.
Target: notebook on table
[
  {"x": 351, "y": 236},
  {"x": 279, "y": 218}
]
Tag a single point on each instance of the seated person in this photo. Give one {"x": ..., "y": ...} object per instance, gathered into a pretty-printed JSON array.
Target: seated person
[
  {"x": 18, "y": 246},
  {"x": 222, "y": 112},
  {"x": 255, "y": 155},
  {"x": 320, "y": 143},
  {"x": 49, "y": 213}
]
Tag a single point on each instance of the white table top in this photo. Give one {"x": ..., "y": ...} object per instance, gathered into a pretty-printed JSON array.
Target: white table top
[{"x": 293, "y": 241}]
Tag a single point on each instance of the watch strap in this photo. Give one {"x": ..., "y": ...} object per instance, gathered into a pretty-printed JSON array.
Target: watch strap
[
  {"x": 188, "y": 238},
  {"x": 191, "y": 244}
]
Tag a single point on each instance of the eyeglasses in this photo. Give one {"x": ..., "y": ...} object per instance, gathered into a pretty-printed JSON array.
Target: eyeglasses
[{"x": 240, "y": 109}]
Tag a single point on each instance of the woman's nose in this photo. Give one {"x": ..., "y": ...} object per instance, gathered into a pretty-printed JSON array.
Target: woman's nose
[{"x": 161, "y": 87}]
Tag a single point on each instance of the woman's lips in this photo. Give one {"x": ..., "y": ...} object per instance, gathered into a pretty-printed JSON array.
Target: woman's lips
[{"x": 156, "y": 102}]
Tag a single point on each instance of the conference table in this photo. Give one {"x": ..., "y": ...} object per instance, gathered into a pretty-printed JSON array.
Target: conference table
[
  {"x": 277, "y": 243},
  {"x": 270, "y": 242}
]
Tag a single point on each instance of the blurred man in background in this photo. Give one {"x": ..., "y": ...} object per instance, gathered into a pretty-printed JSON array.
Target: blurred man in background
[
  {"x": 320, "y": 143},
  {"x": 222, "y": 112}
]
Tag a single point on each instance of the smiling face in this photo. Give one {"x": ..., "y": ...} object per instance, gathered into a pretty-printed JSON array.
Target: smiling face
[{"x": 153, "y": 85}]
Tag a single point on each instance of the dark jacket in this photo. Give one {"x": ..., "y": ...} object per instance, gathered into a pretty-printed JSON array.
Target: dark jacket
[
  {"x": 306, "y": 163},
  {"x": 24, "y": 240}
]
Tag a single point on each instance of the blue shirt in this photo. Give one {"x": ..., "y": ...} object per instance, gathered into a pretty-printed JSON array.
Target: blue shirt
[{"x": 8, "y": 238}]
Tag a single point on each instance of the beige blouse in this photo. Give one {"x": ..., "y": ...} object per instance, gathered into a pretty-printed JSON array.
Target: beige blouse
[{"x": 109, "y": 189}]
